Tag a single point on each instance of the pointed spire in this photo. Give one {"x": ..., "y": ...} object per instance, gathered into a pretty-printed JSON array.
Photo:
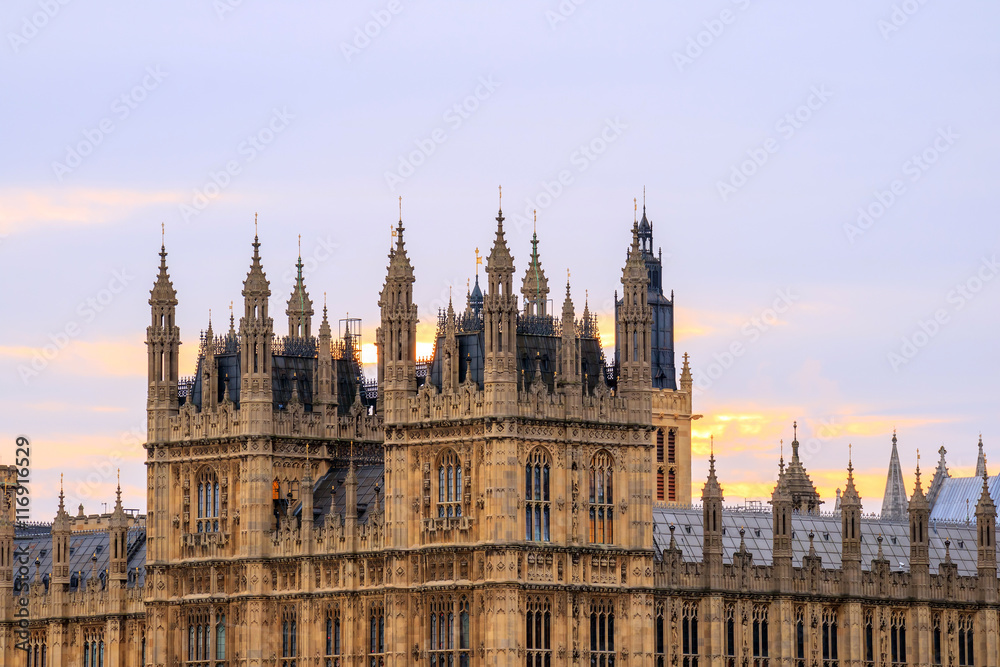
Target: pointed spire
[
  {"x": 805, "y": 497},
  {"x": 535, "y": 286},
  {"x": 256, "y": 283},
  {"x": 163, "y": 289},
  {"x": 686, "y": 381},
  {"x": 894, "y": 502},
  {"x": 499, "y": 257},
  {"x": 712, "y": 486},
  {"x": 940, "y": 475},
  {"x": 981, "y": 459},
  {"x": 299, "y": 310}
]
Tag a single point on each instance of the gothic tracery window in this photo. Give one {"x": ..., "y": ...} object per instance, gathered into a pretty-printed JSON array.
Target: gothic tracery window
[
  {"x": 869, "y": 631},
  {"x": 729, "y": 615},
  {"x": 209, "y": 503},
  {"x": 449, "y": 485},
  {"x": 602, "y": 633},
  {"x": 602, "y": 499},
  {"x": 829, "y": 638},
  {"x": 689, "y": 634},
  {"x": 936, "y": 638},
  {"x": 450, "y": 632},
  {"x": 760, "y": 636},
  {"x": 536, "y": 496},
  {"x": 661, "y": 631},
  {"x": 289, "y": 637},
  {"x": 800, "y": 637},
  {"x": 332, "y": 638},
  {"x": 376, "y": 635},
  {"x": 897, "y": 638},
  {"x": 537, "y": 621},
  {"x": 199, "y": 644},
  {"x": 966, "y": 635}
]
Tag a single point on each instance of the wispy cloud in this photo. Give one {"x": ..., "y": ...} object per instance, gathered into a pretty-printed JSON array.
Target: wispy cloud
[{"x": 26, "y": 209}]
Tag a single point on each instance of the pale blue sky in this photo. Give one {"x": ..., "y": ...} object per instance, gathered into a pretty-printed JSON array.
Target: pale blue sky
[{"x": 677, "y": 128}]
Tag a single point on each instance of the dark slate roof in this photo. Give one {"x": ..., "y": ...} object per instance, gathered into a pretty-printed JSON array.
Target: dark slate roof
[
  {"x": 958, "y": 497},
  {"x": 369, "y": 475},
  {"x": 294, "y": 361},
  {"x": 826, "y": 531},
  {"x": 83, "y": 546}
]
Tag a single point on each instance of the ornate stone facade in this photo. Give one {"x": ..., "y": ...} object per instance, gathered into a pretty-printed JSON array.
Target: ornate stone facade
[{"x": 496, "y": 505}]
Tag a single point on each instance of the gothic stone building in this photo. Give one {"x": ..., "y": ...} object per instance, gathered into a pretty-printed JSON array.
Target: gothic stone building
[{"x": 499, "y": 504}]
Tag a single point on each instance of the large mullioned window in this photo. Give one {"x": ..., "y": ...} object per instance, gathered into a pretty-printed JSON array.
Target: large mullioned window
[
  {"x": 689, "y": 634},
  {"x": 897, "y": 638},
  {"x": 376, "y": 636},
  {"x": 538, "y": 637},
  {"x": 332, "y": 638},
  {"x": 449, "y": 485},
  {"x": 829, "y": 638},
  {"x": 966, "y": 636},
  {"x": 760, "y": 636},
  {"x": 450, "y": 642},
  {"x": 602, "y": 633},
  {"x": 289, "y": 637},
  {"x": 602, "y": 508},
  {"x": 208, "y": 502},
  {"x": 536, "y": 495}
]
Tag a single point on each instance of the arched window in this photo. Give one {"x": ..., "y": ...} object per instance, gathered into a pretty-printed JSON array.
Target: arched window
[
  {"x": 661, "y": 633},
  {"x": 830, "y": 638},
  {"x": 536, "y": 496},
  {"x": 209, "y": 502},
  {"x": 659, "y": 483},
  {"x": 672, "y": 485},
  {"x": 602, "y": 633},
  {"x": 332, "y": 638},
  {"x": 376, "y": 636},
  {"x": 897, "y": 638},
  {"x": 966, "y": 635},
  {"x": 450, "y": 638},
  {"x": 672, "y": 446},
  {"x": 289, "y": 637},
  {"x": 659, "y": 445},
  {"x": 689, "y": 634},
  {"x": 449, "y": 485},
  {"x": 537, "y": 632},
  {"x": 602, "y": 499},
  {"x": 220, "y": 636},
  {"x": 760, "y": 636},
  {"x": 729, "y": 613}
]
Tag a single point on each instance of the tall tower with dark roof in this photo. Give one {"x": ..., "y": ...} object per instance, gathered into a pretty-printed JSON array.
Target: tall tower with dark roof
[
  {"x": 256, "y": 334},
  {"x": 397, "y": 334},
  {"x": 500, "y": 325},
  {"x": 163, "y": 340}
]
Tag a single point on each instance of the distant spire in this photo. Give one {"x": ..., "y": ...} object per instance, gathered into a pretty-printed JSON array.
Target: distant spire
[
  {"x": 981, "y": 459},
  {"x": 894, "y": 502}
]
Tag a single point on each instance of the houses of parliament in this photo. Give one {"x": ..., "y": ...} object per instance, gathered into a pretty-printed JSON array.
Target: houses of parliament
[{"x": 515, "y": 499}]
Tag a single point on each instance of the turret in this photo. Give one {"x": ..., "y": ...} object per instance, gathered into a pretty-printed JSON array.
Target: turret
[
  {"x": 940, "y": 475},
  {"x": 256, "y": 333},
  {"x": 711, "y": 501},
  {"x": 781, "y": 511},
  {"x": 633, "y": 334},
  {"x": 7, "y": 494},
  {"x": 299, "y": 309},
  {"x": 326, "y": 381},
  {"x": 351, "y": 504},
  {"x": 306, "y": 496},
  {"x": 397, "y": 335},
  {"x": 163, "y": 339},
  {"x": 118, "y": 536},
  {"x": 981, "y": 459},
  {"x": 919, "y": 512},
  {"x": 850, "y": 534},
  {"x": 60, "y": 546},
  {"x": 209, "y": 379},
  {"x": 569, "y": 355},
  {"x": 450, "y": 366},
  {"x": 535, "y": 286},
  {"x": 500, "y": 325},
  {"x": 986, "y": 542}
]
